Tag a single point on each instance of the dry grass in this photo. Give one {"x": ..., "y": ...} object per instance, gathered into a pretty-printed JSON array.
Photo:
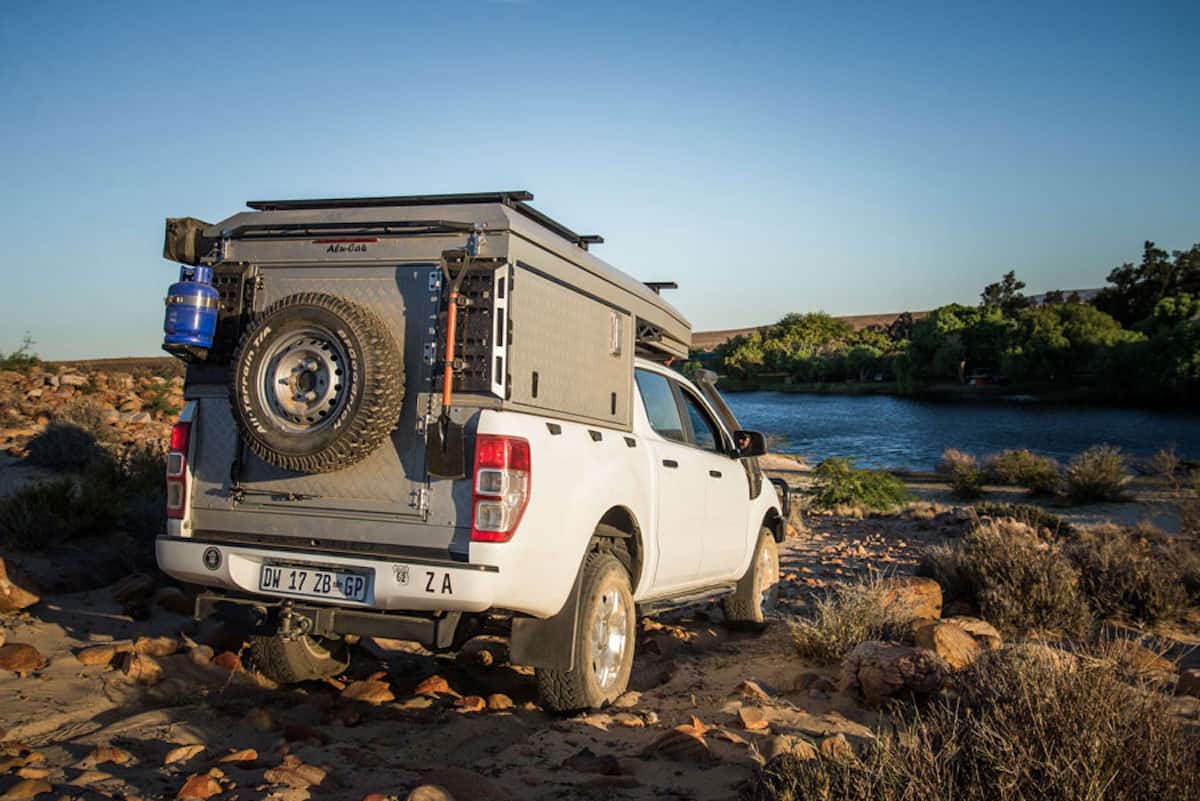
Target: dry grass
[
  {"x": 1130, "y": 573},
  {"x": 1189, "y": 508},
  {"x": 1025, "y": 724},
  {"x": 849, "y": 614}
]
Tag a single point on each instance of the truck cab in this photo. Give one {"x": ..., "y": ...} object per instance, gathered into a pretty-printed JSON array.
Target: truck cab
[{"x": 469, "y": 419}]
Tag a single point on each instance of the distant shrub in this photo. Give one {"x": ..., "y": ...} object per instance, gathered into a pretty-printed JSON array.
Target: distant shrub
[
  {"x": 1045, "y": 726},
  {"x": 1024, "y": 468},
  {"x": 1097, "y": 474},
  {"x": 1165, "y": 464},
  {"x": 849, "y": 614},
  {"x": 1034, "y": 516},
  {"x": 1017, "y": 580},
  {"x": 966, "y": 482},
  {"x": 952, "y": 459},
  {"x": 1129, "y": 572},
  {"x": 837, "y": 482},
  {"x": 21, "y": 360}
]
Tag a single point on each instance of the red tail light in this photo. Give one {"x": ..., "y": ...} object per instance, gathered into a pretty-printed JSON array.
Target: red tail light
[
  {"x": 501, "y": 487},
  {"x": 177, "y": 470}
]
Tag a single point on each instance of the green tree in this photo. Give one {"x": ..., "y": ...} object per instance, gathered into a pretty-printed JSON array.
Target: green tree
[{"x": 1005, "y": 294}]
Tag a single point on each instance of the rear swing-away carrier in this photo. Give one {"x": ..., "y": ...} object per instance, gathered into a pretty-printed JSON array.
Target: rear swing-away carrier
[{"x": 514, "y": 313}]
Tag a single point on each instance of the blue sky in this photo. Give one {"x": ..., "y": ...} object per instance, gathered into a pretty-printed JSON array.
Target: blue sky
[{"x": 769, "y": 157}]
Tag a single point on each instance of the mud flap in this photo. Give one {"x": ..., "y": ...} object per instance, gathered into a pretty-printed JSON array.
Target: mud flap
[{"x": 549, "y": 643}]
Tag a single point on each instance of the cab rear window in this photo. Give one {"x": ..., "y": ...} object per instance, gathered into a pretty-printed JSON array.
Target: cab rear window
[{"x": 661, "y": 407}]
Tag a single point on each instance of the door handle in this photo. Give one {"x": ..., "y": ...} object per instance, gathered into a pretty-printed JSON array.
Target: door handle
[
  {"x": 670, "y": 463},
  {"x": 715, "y": 473}
]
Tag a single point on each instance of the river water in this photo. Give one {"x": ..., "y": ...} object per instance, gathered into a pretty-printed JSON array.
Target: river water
[{"x": 887, "y": 431}]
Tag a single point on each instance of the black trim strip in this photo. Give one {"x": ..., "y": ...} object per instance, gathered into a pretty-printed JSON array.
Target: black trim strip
[{"x": 293, "y": 545}]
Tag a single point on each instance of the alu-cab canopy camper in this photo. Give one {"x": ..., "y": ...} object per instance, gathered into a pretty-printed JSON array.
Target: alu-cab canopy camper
[{"x": 542, "y": 324}]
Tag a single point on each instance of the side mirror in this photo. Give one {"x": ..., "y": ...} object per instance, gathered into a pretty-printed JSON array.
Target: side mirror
[{"x": 749, "y": 444}]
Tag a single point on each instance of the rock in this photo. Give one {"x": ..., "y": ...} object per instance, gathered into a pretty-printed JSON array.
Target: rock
[
  {"x": 629, "y": 720},
  {"x": 877, "y": 671},
  {"x": 156, "y": 646},
  {"x": 752, "y": 690},
  {"x": 683, "y": 743},
  {"x": 199, "y": 786},
  {"x": 471, "y": 703},
  {"x": 1189, "y": 683},
  {"x": 837, "y": 748},
  {"x": 294, "y": 773},
  {"x": 587, "y": 762},
  {"x": 101, "y": 654},
  {"x": 369, "y": 691},
  {"x": 229, "y": 661},
  {"x": 434, "y": 685},
  {"x": 17, "y": 591},
  {"x": 911, "y": 597},
  {"x": 498, "y": 702},
  {"x": 958, "y": 648},
  {"x": 102, "y": 754},
  {"x": 464, "y": 785},
  {"x": 627, "y": 700},
  {"x": 3, "y": 637},
  {"x": 34, "y": 773},
  {"x": 787, "y": 744},
  {"x": 240, "y": 756},
  {"x": 19, "y": 658},
  {"x": 141, "y": 669},
  {"x": 173, "y": 599},
  {"x": 753, "y": 718},
  {"x": 27, "y": 788},
  {"x": 983, "y": 632},
  {"x": 429, "y": 792},
  {"x": 201, "y": 655},
  {"x": 182, "y": 754},
  {"x": 134, "y": 588}
]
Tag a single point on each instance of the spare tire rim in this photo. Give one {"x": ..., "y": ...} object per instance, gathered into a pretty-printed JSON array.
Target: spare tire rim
[
  {"x": 609, "y": 638},
  {"x": 768, "y": 571},
  {"x": 303, "y": 378}
]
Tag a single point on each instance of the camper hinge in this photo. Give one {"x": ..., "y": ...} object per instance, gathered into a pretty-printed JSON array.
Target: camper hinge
[
  {"x": 420, "y": 500},
  {"x": 430, "y": 353}
]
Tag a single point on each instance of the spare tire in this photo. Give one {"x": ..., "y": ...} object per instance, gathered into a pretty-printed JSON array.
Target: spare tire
[{"x": 317, "y": 383}]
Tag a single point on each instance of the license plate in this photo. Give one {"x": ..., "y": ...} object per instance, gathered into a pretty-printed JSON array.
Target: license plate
[{"x": 313, "y": 582}]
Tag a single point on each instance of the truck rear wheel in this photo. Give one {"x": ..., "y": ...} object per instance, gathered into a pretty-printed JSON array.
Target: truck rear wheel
[
  {"x": 757, "y": 594},
  {"x": 604, "y": 641},
  {"x": 296, "y": 659},
  {"x": 317, "y": 383}
]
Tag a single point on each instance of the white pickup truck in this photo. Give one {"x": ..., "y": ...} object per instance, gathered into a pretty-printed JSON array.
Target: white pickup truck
[{"x": 308, "y": 521}]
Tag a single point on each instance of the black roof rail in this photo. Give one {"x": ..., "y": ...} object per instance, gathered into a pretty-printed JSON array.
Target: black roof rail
[{"x": 516, "y": 199}]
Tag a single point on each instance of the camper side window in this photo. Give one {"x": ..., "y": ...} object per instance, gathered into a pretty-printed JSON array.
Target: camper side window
[{"x": 661, "y": 407}]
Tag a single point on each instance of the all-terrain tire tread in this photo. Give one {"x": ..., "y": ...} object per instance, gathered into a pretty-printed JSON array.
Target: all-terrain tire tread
[
  {"x": 383, "y": 388},
  {"x": 743, "y": 607},
  {"x": 288, "y": 662}
]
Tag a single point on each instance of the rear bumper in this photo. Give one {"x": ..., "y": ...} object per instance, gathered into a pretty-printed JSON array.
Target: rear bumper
[{"x": 423, "y": 585}]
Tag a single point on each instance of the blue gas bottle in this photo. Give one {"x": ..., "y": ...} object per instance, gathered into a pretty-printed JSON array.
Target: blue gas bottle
[{"x": 192, "y": 305}]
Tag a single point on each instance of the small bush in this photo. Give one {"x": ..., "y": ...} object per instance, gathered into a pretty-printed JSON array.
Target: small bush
[
  {"x": 1030, "y": 515},
  {"x": 56, "y": 512},
  {"x": 837, "y": 482},
  {"x": 1024, "y": 468},
  {"x": 966, "y": 482},
  {"x": 1189, "y": 508},
  {"x": 1018, "y": 581},
  {"x": 1098, "y": 474},
  {"x": 1038, "y": 727},
  {"x": 1129, "y": 572},
  {"x": 1165, "y": 464},
  {"x": 847, "y": 615},
  {"x": 953, "y": 459}
]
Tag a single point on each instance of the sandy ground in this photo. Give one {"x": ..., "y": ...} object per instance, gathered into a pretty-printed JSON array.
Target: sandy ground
[{"x": 688, "y": 664}]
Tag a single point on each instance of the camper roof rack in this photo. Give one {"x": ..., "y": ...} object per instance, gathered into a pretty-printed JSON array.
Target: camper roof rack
[{"x": 516, "y": 200}]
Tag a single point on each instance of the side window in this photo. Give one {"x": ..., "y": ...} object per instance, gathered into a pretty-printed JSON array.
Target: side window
[
  {"x": 660, "y": 405},
  {"x": 708, "y": 435}
]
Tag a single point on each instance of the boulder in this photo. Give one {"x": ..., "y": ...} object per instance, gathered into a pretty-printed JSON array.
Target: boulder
[
  {"x": 17, "y": 591},
  {"x": 878, "y": 671},
  {"x": 780, "y": 744},
  {"x": 836, "y": 748},
  {"x": 910, "y": 597},
  {"x": 954, "y": 645},
  {"x": 20, "y": 658},
  {"x": 429, "y": 792},
  {"x": 983, "y": 632}
]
